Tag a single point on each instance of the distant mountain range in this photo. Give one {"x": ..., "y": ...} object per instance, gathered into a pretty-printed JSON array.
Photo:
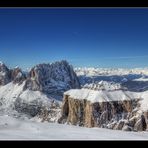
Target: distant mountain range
[{"x": 130, "y": 79}]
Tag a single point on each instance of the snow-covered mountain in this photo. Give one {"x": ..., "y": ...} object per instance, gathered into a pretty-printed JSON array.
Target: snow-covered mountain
[
  {"x": 110, "y": 71},
  {"x": 7, "y": 75},
  {"x": 131, "y": 79},
  {"x": 54, "y": 78},
  {"x": 37, "y": 92}
]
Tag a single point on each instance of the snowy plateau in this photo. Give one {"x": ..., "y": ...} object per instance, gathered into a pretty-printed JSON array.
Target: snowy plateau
[{"x": 58, "y": 102}]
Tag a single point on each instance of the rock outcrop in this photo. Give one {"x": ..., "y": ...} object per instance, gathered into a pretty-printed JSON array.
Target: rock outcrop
[
  {"x": 7, "y": 75},
  {"x": 17, "y": 76},
  {"x": 4, "y": 74},
  {"x": 116, "y": 114},
  {"x": 45, "y": 111}
]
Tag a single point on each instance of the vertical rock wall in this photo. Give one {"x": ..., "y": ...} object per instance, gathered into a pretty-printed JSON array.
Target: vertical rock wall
[{"x": 121, "y": 115}]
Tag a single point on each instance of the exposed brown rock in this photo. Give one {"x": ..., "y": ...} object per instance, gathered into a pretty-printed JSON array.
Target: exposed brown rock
[
  {"x": 119, "y": 125},
  {"x": 120, "y": 115},
  {"x": 140, "y": 124},
  {"x": 17, "y": 75},
  {"x": 89, "y": 118},
  {"x": 50, "y": 115},
  {"x": 127, "y": 105},
  {"x": 132, "y": 121},
  {"x": 32, "y": 85},
  {"x": 146, "y": 117}
]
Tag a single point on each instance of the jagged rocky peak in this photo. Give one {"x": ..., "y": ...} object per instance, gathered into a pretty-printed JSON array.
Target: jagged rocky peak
[
  {"x": 3, "y": 67},
  {"x": 4, "y": 74},
  {"x": 52, "y": 78},
  {"x": 17, "y": 76}
]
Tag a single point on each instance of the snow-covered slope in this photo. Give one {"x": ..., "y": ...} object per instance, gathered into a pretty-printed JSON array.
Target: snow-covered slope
[
  {"x": 99, "y": 96},
  {"x": 10, "y": 92},
  {"x": 16, "y": 129},
  {"x": 16, "y": 101}
]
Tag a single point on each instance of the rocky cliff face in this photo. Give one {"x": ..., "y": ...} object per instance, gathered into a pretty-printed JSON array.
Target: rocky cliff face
[
  {"x": 52, "y": 78},
  {"x": 120, "y": 115},
  {"x": 5, "y": 75},
  {"x": 17, "y": 76}
]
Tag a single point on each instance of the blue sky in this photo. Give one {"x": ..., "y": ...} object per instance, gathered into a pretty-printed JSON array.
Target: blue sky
[{"x": 98, "y": 37}]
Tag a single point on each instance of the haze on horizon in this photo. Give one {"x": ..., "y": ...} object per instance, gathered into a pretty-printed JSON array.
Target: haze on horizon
[{"x": 85, "y": 37}]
